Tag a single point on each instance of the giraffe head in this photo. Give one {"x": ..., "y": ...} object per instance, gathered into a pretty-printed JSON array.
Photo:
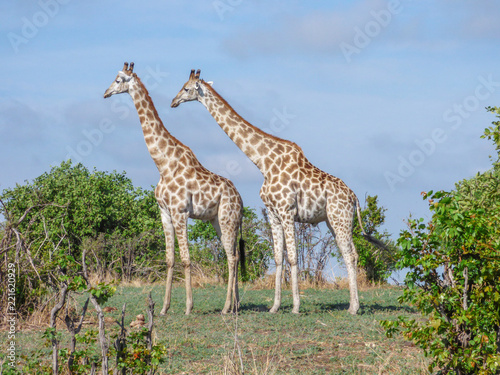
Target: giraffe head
[
  {"x": 192, "y": 89},
  {"x": 122, "y": 80}
]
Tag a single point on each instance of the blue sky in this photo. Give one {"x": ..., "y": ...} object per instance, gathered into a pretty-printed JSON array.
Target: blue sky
[{"x": 387, "y": 95}]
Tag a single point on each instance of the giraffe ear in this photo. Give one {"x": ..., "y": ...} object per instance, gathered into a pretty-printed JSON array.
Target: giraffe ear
[
  {"x": 124, "y": 76},
  {"x": 211, "y": 83},
  {"x": 198, "y": 88}
]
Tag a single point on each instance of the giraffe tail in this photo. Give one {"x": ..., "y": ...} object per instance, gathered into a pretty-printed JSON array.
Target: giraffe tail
[
  {"x": 242, "y": 253},
  {"x": 369, "y": 238}
]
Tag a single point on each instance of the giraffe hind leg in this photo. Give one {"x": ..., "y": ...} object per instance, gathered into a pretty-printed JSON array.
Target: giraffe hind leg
[
  {"x": 291, "y": 252},
  {"x": 227, "y": 229},
  {"x": 278, "y": 248},
  {"x": 180, "y": 225},
  {"x": 343, "y": 237}
]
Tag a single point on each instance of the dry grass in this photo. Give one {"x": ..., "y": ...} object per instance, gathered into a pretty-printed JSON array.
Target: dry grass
[
  {"x": 41, "y": 316},
  {"x": 268, "y": 282}
]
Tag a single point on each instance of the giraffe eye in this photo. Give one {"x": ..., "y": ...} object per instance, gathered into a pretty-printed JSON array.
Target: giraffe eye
[{"x": 186, "y": 89}]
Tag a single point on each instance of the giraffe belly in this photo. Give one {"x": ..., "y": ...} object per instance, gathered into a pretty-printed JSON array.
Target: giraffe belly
[
  {"x": 202, "y": 207},
  {"x": 204, "y": 212},
  {"x": 310, "y": 211}
]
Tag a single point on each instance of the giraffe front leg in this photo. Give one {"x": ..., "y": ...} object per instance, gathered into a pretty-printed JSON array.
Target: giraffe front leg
[
  {"x": 168, "y": 230},
  {"x": 291, "y": 251},
  {"x": 277, "y": 231},
  {"x": 181, "y": 231}
]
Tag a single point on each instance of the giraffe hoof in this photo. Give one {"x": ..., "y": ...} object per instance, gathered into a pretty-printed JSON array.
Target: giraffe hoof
[
  {"x": 352, "y": 311},
  {"x": 296, "y": 311},
  {"x": 274, "y": 310}
]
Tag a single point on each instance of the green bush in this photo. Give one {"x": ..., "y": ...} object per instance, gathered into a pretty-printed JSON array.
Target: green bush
[
  {"x": 453, "y": 277},
  {"x": 49, "y": 221}
]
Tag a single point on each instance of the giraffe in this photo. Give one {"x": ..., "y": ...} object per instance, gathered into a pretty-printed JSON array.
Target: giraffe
[
  {"x": 185, "y": 190},
  {"x": 294, "y": 190}
]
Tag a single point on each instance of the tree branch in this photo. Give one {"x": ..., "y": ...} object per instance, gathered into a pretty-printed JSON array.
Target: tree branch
[{"x": 53, "y": 315}]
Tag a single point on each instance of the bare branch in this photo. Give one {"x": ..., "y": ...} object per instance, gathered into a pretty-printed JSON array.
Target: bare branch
[
  {"x": 102, "y": 334},
  {"x": 36, "y": 206},
  {"x": 74, "y": 331},
  {"x": 121, "y": 342},
  {"x": 53, "y": 315},
  {"x": 151, "y": 312},
  {"x": 466, "y": 288}
]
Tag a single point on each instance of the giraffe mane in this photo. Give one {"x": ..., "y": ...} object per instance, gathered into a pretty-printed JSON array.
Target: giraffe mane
[
  {"x": 148, "y": 97},
  {"x": 258, "y": 130}
]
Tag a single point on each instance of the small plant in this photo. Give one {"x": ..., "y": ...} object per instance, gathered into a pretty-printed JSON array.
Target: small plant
[{"x": 137, "y": 358}]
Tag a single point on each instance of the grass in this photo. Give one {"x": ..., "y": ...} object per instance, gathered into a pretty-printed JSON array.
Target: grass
[{"x": 323, "y": 339}]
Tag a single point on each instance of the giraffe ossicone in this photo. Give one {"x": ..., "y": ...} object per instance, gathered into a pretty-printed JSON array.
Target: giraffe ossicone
[
  {"x": 294, "y": 190},
  {"x": 186, "y": 190}
]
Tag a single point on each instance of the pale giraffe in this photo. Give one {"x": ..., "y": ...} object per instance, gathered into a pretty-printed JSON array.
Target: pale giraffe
[
  {"x": 294, "y": 190},
  {"x": 186, "y": 190}
]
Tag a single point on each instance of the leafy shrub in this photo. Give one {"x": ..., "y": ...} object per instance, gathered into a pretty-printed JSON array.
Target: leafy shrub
[{"x": 453, "y": 274}]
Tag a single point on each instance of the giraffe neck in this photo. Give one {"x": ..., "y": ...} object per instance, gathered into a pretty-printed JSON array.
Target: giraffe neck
[
  {"x": 161, "y": 144},
  {"x": 255, "y": 143}
]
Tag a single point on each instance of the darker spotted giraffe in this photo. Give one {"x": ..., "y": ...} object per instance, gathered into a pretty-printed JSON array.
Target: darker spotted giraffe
[
  {"x": 293, "y": 188},
  {"x": 186, "y": 190}
]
